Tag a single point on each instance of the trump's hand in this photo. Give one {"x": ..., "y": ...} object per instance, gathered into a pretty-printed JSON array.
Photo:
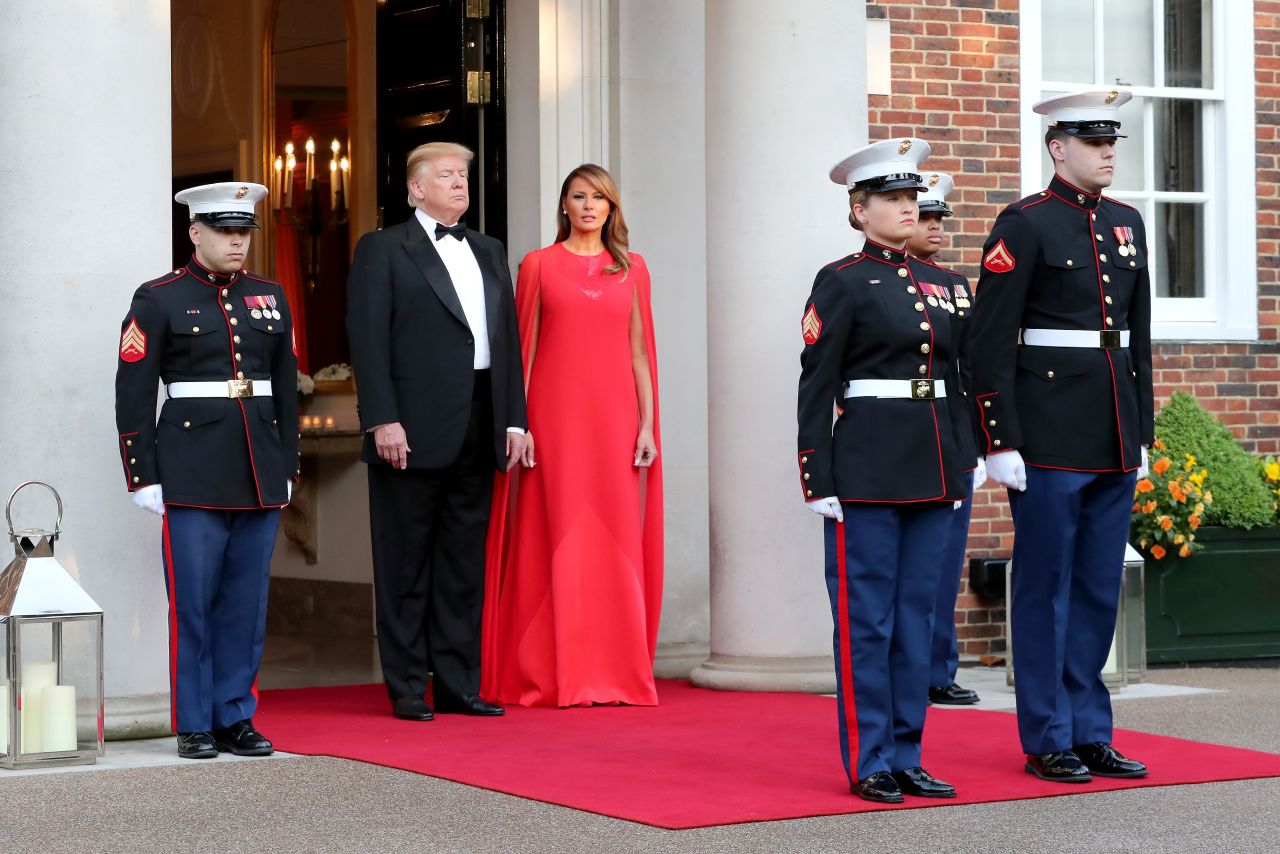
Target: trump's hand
[
  {"x": 1008, "y": 470},
  {"x": 515, "y": 448},
  {"x": 392, "y": 444}
]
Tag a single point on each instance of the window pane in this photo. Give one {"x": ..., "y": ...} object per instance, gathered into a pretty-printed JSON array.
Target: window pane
[
  {"x": 1188, "y": 40},
  {"x": 1129, "y": 52},
  {"x": 1131, "y": 158},
  {"x": 1067, "y": 39},
  {"x": 1178, "y": 127},
  {"x": 1176, "y": 243}
]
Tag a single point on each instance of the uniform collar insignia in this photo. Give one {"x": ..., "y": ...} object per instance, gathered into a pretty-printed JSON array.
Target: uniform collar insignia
[
  {"x": 887, "y": 254},
  {"x": 1074, "y": 195},
  {"x": 209, "y": 277}
]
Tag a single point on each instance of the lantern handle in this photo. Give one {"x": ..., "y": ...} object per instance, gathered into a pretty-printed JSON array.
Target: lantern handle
[{"x": 8, "y": 507}]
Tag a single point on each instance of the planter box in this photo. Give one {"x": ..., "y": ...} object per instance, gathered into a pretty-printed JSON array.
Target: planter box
[{"x": 1223, "y": 603}]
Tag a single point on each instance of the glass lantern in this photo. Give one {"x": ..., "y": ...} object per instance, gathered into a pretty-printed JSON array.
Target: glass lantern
[{"x": 51, "y": 704}]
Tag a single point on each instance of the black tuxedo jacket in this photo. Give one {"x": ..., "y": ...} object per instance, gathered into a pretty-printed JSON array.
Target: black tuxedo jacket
[{"x": 412, "y": 349}]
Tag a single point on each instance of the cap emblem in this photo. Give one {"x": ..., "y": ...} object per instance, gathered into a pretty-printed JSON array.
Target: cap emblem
[
  {"x": 1111, "y": 96},
  {"x": 904, "y": 147},
  {"x": 934, "y": 179},
  {"x": 242, "y": 192}
]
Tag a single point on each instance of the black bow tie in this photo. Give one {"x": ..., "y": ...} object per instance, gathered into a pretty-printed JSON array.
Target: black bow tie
[{"x": 459, "y": 230}]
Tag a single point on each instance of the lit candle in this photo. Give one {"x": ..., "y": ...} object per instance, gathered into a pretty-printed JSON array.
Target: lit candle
[
  {"x": 279, "y": 182},
  {"x": 290, "y": 165},
  {"x": 333, "y": 184},
  {"x": 344, "y": 168},
  {"x": 329, "y": 422},
  {"x": 4, "y": 717},
  {"x": 58, "y": 707},
  {"x": 311, "y": 162},
  {"x": 36, "y": 676}
]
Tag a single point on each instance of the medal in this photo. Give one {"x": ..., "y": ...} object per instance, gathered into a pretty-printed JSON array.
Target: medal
[
  {"x": 275, "y": 314},
  {"x": 933, "y": 301},
  {"x": 256, "y": 314},
  {"x": 1123, "y": 250},
  {"x": 951, "y": 308}
]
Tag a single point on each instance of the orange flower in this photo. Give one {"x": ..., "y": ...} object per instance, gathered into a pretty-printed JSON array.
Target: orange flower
[
  {"x": 1158, "y": 445},
  {"x": 1185, "y": 551},
  {"x": 1194, "y": 522},
  {"x": 1175, "y": 489},
  {"x": 1137, "y": 506},
  {"x": 1165, "y": 523},
  {"x": 1149, "y": 507},
  {"x": 1145, "y": 485},
  {"x": 1161, "y": 465},
  {"x": 1157, "y": 552}
]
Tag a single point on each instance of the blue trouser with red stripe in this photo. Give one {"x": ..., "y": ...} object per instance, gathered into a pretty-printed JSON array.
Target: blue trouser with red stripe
[
  {"x": 1070, "y": 530},
  {"x": 217, "y": 568},
  {"x": 882, "y": 574},
  {"x": 945, "y": 659}
]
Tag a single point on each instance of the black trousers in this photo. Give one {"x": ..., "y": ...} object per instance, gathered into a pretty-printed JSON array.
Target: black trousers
[{"x": 428, "y": 528}]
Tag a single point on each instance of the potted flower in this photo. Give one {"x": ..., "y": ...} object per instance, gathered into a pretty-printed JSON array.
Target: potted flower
[
  {"x": 335, "y": 379},
  {"x": 1206, "y": 522}
]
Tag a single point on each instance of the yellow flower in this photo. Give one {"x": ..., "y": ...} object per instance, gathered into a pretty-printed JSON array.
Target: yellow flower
[
  {"x": 1273, "y": 471},
  {"x": 1185, "y": 551},
  {"x": 1198, "y": 478},
  {"x": 1178, "y": 539},
  {"x": 1200, "y": 507},
  {"x": 1208, "y": 496}
]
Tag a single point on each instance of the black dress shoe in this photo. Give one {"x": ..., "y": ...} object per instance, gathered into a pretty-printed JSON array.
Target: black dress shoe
[
  {"x": 879, "y": 788},
  {"x": 1063, "y": 767},
  {"x": 412, "y": 709},
  {"x": 196, "y": 745},
  {"x": 243, "y": 740},
  {"x": 466, "y": 704},
  {"x": 922, "y": 784},
  {"x": 1105, "y": 761},
  {"x": 952, "y": 695}
]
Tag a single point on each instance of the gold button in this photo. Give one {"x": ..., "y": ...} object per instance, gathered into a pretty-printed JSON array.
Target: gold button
[
  {"x": 269, "y": 328},
  {"x": 996, "y": 443},
  {"x": 962, "y": 314},
  {"x": 986, "y": 404},
  {"x": 273, "y": 421},
  {"x": 195, "y": 329},
  {"x": 1109, "y": 321},
  {"x": 924, "y": 348},
  {"x": 1099, "y": 236},
  {"x": 924, "y": 326},
  {"x": 902, "y": 271},
  {"x": 136, "y": 478},
  {"x": 129, "y": 442},
  {"x": 808, "y": 493},
  {"x": 991, "y": 423},
  {"x": 1106, "y": 278},
  {"x": 1102, "y": 256},
  {"x": 1069, "y": 262},
  {"x": 235, "y": 338},
  {"x": 923, "y": 369},
  {"x": 919, "y": 306},
  {"x": 806, "y": 475},
  {"x": 133, "y": 461},
  {"x": 1133, "y": 264},
  {"x": 224, "y": 292},
  {"x": 1093, "y": 216},
  {"x": 186, "y": 425},
  {"x": 237, "y": 357},
  {"x": 228, "y": 306},
  {"x": 804, "y": 459},
  {"x": 239, "y": 375},
  {"x": 1050, "y": 375},
  {"x": 911, "y": 289},
  {"x": 1108, "y": 299},
  {"x": 235, "y": 321}
]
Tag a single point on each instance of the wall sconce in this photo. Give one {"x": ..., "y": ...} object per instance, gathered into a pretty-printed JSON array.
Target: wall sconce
[{"x": 310, "y": 217}]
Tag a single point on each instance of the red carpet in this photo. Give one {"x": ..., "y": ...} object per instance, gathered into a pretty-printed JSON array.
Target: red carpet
[{"x": 701, "y": 758}]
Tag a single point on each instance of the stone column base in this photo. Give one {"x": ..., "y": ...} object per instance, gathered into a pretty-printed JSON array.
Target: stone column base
[
  {"x": 677, "y": 660},
  {"x": 137, "y": 716},
  {"x": 813, "y": 675}
]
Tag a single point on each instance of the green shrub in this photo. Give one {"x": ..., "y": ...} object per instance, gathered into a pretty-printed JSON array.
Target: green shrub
[{"x": 1240, "y": 499}]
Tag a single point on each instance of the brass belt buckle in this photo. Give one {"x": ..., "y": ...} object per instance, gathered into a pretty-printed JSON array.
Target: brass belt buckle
[
  {"x": 1109, "y": 339},
  {"x": 239, "y": 388},
  {"x": 922, "y": 389}
]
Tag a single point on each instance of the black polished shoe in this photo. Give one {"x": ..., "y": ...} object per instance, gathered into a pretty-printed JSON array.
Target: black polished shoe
[
  {"x": 242, "y": 739},
  {"x": 952, "y": 695},
  {"x": 467, "y": 704},
  {"x": 879, "y": 788},
  {"x": 922, "y": 784},
  {"x": 412, "y": 709},
  {"x": 1062, "y": 767},
  {"x": 1105, "y": 761},
  {"x": 196, "y": 745}
]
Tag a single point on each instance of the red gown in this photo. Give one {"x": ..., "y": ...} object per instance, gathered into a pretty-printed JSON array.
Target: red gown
[{"x": 574, "y": 562}]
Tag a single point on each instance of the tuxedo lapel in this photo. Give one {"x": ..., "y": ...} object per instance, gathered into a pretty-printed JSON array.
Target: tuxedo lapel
[
  {"x": 427, "y": 259},
  {"x": 492, "y": 284}
]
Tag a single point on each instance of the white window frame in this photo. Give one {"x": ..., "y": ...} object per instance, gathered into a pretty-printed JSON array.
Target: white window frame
[{"x": 1229, "y": 309}]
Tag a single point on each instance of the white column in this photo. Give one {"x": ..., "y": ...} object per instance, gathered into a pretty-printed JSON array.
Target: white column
[
  {"x": 786, "y": 98},
  {"x": 85, "y": 165}
]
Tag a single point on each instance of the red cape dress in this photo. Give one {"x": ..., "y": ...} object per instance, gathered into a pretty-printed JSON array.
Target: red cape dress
[{"x": 574, "y": 559}]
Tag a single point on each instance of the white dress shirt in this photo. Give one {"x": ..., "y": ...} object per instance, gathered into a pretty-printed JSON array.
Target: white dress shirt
[{"x": 468, "y": 282}]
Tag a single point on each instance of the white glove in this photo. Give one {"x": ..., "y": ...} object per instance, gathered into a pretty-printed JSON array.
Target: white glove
[
  {"x": 150, "y": 498},
  {"x": 828, "y": 507},
  {"x": 1008, "y": 470},
  {"x": 980, "y": 474},
  {"x": 288, "y": 491},
  {"x": 1142, "y": 468}
]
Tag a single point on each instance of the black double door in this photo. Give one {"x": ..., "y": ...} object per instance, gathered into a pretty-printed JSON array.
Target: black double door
[{"x": 442, "y": 77}]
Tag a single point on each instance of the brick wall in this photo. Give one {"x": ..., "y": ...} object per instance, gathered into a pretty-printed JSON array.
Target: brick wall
[{"x": 955, "y": 84}]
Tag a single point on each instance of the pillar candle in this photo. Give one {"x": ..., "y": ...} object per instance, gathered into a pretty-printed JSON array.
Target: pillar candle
[
  {"x": 36, "y": 676},
  {"x": 333, "y": 184},
  {"x": 58, "y": 708},
  {"x": 4, "y": 717}
]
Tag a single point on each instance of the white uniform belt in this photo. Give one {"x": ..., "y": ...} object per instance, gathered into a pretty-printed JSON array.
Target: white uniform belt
[
  {"x": 1106, "y": 339},
  {"x": 908, "y": 389},
  {"x": 223, "y": 388}
]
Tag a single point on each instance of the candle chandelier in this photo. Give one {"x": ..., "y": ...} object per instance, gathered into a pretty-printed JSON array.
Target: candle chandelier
[{"x": 309, "y": 215}]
